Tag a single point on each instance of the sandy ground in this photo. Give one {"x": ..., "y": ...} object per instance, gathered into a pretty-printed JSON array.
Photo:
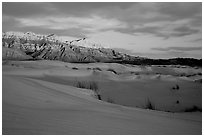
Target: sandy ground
[{"x": 38, "y": 98}]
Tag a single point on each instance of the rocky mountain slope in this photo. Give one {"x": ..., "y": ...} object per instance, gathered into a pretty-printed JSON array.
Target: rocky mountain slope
[
  {"x": 49, "y": 47},
  {"x": 23, "y": 46}
]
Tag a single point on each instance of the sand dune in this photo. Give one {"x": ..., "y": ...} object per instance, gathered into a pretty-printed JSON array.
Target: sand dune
[{"x": 38, "y": 98}]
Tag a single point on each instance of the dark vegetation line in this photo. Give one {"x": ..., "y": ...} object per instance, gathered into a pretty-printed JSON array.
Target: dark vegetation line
[{"x": 176, "y": 61}]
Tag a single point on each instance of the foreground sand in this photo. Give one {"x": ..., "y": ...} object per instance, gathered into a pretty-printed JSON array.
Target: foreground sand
[{"x": 37, "y": 100}]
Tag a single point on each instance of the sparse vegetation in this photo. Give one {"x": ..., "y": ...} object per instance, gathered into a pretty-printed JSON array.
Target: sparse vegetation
[
  {"x": 97, "y": 69},
  {"x": 112, "y": 70},
  {"x": 92, "y": 85},
  {"x": 75, "y": 68},
  {"x": 87, "y": 85},
  {"x": 149, "y": 105},
  {"x": 193, "y": 109},
  {"x": 99, "y": 96},
  {"x": 199, "y": 73},
  {"x": 176, "y": 87},
  {"x": 182, "y": 75}
]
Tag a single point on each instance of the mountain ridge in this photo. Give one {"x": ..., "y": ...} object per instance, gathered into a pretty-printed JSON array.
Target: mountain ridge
[{"x": 28, "y": 46}]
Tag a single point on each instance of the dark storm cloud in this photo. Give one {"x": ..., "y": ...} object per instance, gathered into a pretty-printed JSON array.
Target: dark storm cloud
[
  {"x": 178, "y": 49},
  {"x": 197, "y": 40},
  {"x": 151, "y": 30},
  {"x": 171, "y": 19},
  {"x": 183, "y": 31},
  {"x": 181, "y": 10},
  {"x": 26, "y": 9},
  {"x": 86, "y": 8},
  {"x": 158, "y": 31}
]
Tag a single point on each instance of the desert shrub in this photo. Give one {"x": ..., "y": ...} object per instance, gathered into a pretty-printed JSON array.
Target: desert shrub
[
  {"x": 97, "y": 69},
  {"x": 193, "y": 109},
  {"x": 198, "y": 80},
  {"x": 80, "y": 84},
  {"x": 136, "y": 73},
  {"x": 199, "y": 73},
  {"x": 88, "y": 68},
  {"x": 188, "y": 75},
  {"x": 176, "y": 87},
  {"x": 112, "y": 70},
  {"x": 149, "y": 105},
  {"x": 75, "y": 68},
  {"x": 92, "y": 85},
  {"x": 99, "y": 96},
  {"x": 182, "y": 74},
  {"x": 87, "y": 85}
]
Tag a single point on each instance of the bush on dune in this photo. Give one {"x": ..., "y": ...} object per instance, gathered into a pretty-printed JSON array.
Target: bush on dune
[
  {"x": 112, "y": 70},
  {"x": 149, "y": 105},
  {"x": 87, "y": 85},
  {"x": 175, "y": 87},
  {"x": 97, "y": 69},
  {"x": 193, "y": 109},
  {"x": 92, "y": 85},
  {"x": 75, "y": 68}
]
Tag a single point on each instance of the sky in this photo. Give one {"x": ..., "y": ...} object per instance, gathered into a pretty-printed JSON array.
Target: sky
[{"x": 153, "y": 30}]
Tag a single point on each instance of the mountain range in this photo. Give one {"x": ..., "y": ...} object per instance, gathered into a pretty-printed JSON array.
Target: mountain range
[{"x": 31, "y": 46}]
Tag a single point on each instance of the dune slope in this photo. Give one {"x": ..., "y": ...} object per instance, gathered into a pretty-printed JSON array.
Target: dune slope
[{"x": 34, "y": 106}]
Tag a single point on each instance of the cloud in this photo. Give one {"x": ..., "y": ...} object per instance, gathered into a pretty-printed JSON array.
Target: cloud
[
  {"x": 87, "y": 8},
  {"x": 165, "y": 31},
  {"x": 73, "y": 32},
  {"x": 197, "y": 40},
  {"x": 161, "y": 19},
  {"x": 180, "y": 10},
  {"x": 178, "y": 48},
  {"x": 89, "y": 24},
  {"x": 77, "y": 9},
  {"x": 9, "y": 23},
  {"x": 27, "y": 9},
  {"x": 183, "y": 31},
  {"x": 156, "y": 19}
]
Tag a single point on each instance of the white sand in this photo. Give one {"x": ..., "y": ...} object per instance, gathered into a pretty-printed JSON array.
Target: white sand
[{"x": 33, "y": 105}]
